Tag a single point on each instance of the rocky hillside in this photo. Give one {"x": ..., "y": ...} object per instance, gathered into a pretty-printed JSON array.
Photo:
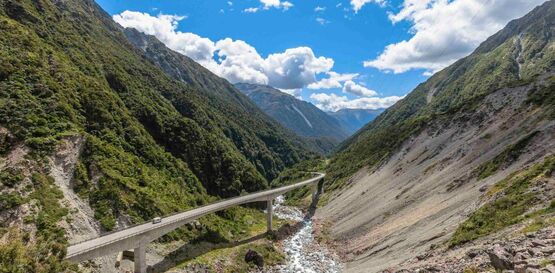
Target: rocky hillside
[
  {"x": 353, "y": 119},
  {"x": 94, "y": 136},
  {"x": 467, "y": 154},
  {"x": 300, "y": 116}
]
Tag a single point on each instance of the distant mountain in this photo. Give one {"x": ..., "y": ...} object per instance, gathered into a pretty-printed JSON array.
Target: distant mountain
[
  {"x": 353, "y": 119},
  {"x": 300, "y": 116}
]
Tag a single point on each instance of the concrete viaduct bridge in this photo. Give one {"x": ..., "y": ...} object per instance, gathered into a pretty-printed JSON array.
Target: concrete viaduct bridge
[{"x": 137, "y": 237}]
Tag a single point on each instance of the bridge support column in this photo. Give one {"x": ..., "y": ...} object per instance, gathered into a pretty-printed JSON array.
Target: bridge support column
[
  {"x": 140, "y": 259},
  {"x": 269, "y": 213},
  {"x": 314, "y": 193}
]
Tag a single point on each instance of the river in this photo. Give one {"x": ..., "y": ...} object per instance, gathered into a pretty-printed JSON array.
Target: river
[{"x": 304, "y": 254}]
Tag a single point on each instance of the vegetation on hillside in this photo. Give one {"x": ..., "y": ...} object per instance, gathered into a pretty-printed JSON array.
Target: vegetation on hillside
[
  {"x": 299, "y": 116},
  {"x": 514, "y": 199},
  {"x": 43, "y": 249},
  {"x": 153, "y": 145},
  {"x": 297, "y": 173},
  {"x": 261, "y": 140}
]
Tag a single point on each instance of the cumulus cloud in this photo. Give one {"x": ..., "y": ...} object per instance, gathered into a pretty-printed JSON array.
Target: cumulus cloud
[
  {"x": 295, "y": 68},
  {"x": 163, "y": 27},
  {"x": 358, "y": 90},
  {"x": 333, "y": 102},
  {"x": 334, "y": 80},
  {"x": 357, "y": 4},
  {"x": 444, "y": 31},
  {"x": 234, "y": 60}
]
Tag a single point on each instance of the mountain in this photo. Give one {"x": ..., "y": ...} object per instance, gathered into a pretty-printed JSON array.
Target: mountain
[
  {"x": 467, "y": 154},
  {"x": 94, "y": 136},
  {"x": 300, "y": 116},
  {"x": 240, "y": 114},
  {"x": 353, "y": 119}
]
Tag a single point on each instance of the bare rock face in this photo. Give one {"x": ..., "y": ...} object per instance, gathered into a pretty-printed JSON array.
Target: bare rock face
[
  {"x": 500, "y": 258},
  {"x": 255, "y": 258}
]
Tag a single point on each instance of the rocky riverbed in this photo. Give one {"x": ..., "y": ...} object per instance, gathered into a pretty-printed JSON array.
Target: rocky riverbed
[{"x": 304, "y": 254}]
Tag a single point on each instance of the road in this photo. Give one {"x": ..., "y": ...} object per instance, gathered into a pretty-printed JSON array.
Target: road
[{"x": 137, "y": 237}]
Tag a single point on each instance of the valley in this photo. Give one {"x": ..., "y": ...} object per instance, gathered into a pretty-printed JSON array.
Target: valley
[{"x": 129, "y": 145}]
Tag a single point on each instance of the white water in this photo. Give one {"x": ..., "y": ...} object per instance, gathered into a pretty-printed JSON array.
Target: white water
[{"x": 304, "y": 254}]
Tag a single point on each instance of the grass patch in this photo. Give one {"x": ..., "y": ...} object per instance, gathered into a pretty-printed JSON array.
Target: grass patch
[
  {"x": 506, "y": 210},
  {"x": 232, "y": 259}
]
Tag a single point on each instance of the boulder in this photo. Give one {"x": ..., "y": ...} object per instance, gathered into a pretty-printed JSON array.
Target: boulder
[
  {"x": 500, "y": 259},
  {"x": 255, "y": 258}
]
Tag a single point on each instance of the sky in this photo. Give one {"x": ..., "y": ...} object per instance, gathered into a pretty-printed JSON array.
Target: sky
[{"x": 333, "y": 53}]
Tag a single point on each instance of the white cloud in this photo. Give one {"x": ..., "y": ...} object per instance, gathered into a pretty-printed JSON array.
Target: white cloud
[
  {"x": 321, "y": 21},
  {"x": 358, "y": 90},
  {"x": 319, "y": 9},
  {"x": 163, "y": 27},
  {"x": 295, "y": 68},
  {"x": 445, "y": 31},
  {"x": 235, "y": 60},
  {"x": 357, "y": 4},
  {"x": 268, "y": 4},
  {"x": 333, "y": 102},
  {"x": 293, "y": 92},
  {"x": 278, "y": 4},
  {"x": 250, "y": 10},
  {"x": 333, "y": 81},
  {"x": 229, "y": 3}
]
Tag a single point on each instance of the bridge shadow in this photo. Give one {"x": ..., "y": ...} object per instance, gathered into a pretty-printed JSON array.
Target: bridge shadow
[{"x": 191, "y": 251}]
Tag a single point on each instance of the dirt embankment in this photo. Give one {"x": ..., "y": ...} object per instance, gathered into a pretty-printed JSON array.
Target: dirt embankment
[{"x": 419, "y": 197}]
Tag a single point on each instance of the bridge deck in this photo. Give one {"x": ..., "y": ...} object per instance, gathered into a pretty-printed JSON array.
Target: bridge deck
[{"x": 131, "y": 237}]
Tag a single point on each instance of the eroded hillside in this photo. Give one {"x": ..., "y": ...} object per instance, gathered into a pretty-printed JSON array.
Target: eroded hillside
[{"x": 449, "y": 153}]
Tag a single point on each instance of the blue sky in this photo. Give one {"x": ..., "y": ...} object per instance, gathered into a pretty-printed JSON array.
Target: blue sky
[{"x": 423, "y": 35}]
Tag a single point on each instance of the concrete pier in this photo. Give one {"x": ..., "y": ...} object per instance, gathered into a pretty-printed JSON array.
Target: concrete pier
[{"x": 269, "y": 213}]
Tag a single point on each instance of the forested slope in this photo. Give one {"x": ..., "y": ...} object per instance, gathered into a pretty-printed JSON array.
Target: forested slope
[{"x": 87, "y": 121}]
